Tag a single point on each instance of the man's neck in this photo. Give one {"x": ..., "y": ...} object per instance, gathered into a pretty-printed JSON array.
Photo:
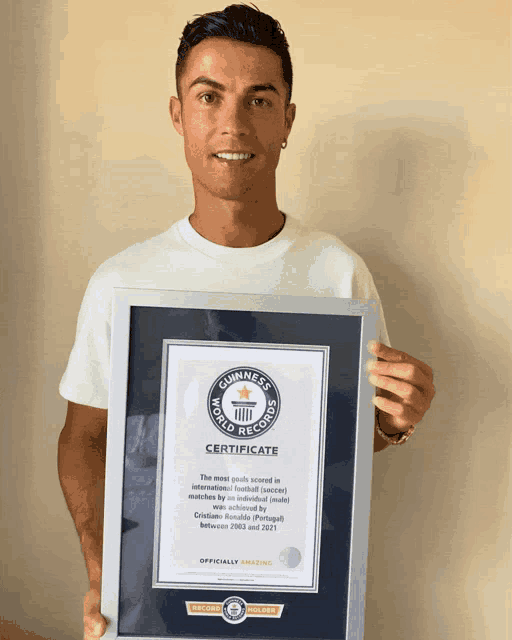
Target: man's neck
[{"x": 238, "y": 226}]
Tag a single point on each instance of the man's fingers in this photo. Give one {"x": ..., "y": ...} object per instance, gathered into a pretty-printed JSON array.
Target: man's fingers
[
  {"x": 403, "y": 415},
  {"x": 95, "y": 624},
  {"x": 418, "y": 393},
  {"x": 407, "y": 392},
  {"x": 389, "y": 354},
  {"x": 404, "y": 385},
  {"x": 405, "y": 371},
  {"x": 94, "y": 628}
]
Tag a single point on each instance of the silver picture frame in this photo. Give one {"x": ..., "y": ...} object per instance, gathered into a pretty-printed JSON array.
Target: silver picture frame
[{"x": 148, "y": 594}]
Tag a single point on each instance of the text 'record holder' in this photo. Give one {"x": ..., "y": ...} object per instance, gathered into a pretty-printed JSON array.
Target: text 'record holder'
[{"x": 239, "y": 458}]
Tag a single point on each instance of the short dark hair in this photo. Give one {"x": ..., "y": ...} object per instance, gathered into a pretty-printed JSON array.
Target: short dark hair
[{"x": 239, "y": 22}]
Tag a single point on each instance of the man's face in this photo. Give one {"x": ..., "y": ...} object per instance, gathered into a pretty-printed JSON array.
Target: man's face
[{"x": 233, "y": 100}]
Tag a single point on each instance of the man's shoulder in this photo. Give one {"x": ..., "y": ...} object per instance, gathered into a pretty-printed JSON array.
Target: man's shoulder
[
  {"x": 140, "y": 251},
  {"x": 138, "y": 257},
  {"x": 326, "y": 245}
]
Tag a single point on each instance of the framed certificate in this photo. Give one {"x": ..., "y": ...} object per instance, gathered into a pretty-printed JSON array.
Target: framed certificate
[{"x": 239, "y": 458}]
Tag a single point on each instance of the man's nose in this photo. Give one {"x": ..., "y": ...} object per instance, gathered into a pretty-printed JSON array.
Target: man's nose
[{"x": 234, "y": 118}]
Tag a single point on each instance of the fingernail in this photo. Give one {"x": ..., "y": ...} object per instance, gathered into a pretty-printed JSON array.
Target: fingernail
[
  {"x": 371, "y": 345},
  {"x": 372, "y": 379}
]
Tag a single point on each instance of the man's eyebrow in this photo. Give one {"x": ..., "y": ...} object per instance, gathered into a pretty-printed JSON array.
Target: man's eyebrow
[{"x": 221, "y": 87}]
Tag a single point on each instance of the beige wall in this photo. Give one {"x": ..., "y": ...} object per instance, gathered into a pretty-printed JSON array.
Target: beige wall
[{"x": 401, "y": 146}]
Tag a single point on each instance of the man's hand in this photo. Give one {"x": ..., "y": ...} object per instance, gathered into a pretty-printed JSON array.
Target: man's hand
[
  {"x": 94, "y": 623},
  {"x": 81, "y": 461},
  {"x": 404, "y": 387}
]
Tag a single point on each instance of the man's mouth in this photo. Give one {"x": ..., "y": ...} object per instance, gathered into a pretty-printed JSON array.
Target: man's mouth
[{"x": 234, "y": 156}]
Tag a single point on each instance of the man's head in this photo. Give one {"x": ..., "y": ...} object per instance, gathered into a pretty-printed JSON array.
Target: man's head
[
  {"x": 234, "y": 91},
  {"x": 238, "y": 22}
]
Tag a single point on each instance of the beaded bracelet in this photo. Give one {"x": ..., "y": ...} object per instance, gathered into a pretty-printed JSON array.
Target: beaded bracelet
[{"x": 403, "y": 436}]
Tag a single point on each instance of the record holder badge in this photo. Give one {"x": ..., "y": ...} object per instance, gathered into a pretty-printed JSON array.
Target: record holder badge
[{"x": 244, "y": 403}]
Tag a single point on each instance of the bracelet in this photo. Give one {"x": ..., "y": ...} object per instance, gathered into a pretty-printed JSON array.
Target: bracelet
[{"x": 403, "y": 436}]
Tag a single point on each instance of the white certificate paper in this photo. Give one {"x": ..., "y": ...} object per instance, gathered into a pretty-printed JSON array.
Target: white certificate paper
[{"x": 240, "y": 468}]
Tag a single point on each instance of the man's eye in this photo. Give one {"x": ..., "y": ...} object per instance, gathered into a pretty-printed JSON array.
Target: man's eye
[
  {"x": 267, "y": 104},
  {"x": 209, "y": 98}
]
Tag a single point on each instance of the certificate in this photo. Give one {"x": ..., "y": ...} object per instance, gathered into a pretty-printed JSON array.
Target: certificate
[
  {"x": 234, "y": 510},
  {"x": 238, "y": 471}
]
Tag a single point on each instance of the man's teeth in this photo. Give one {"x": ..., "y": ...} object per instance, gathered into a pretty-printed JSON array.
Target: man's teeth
[{"x": 234, "y": 156}]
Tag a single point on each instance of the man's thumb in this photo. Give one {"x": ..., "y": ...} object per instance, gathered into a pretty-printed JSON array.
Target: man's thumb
[
  {"x": 95, "y": 626},
  {"x": 94, "y": 623},
  {"x": 99, "y": 627}
]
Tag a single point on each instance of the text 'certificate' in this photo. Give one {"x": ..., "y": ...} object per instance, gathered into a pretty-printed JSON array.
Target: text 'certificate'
[{"x": 240, "y": 468}]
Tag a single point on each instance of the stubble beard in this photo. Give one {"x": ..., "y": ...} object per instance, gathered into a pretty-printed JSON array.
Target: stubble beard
[{"x": 249, "y": 188}]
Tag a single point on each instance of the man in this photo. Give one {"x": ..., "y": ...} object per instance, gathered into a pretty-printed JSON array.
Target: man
[{"x": 233, "y": 110}]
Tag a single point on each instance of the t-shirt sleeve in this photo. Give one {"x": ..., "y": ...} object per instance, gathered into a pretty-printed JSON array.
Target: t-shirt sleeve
[
  {"x": 364, "y": 289},
  {"x": 87, "y": 375}
]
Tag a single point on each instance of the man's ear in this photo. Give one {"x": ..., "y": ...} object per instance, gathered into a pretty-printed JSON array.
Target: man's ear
[
  {"x": 175, "y": 111},
  {"x": 290, "y": 117}
]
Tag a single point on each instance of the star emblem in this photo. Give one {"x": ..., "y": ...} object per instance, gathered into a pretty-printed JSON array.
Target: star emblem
[{"x": 244, "y": 393}]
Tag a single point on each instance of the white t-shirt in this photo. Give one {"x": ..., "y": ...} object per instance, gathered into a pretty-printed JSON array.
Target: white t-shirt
[{"x": 298, "y": 261}]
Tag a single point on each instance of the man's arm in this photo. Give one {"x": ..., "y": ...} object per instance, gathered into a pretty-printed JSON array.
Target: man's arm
[
  {"x": 81, "y": 463},
  {"x": 405, "y": 390}
]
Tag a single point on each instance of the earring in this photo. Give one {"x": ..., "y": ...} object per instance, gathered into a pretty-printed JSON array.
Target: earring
[{"x": 283, "y": 146}]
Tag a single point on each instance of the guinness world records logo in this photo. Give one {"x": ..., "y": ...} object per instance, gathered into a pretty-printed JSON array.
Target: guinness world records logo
[
  {"x": 244, "y": 403},
  {"x": 234, "y": 610}
]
